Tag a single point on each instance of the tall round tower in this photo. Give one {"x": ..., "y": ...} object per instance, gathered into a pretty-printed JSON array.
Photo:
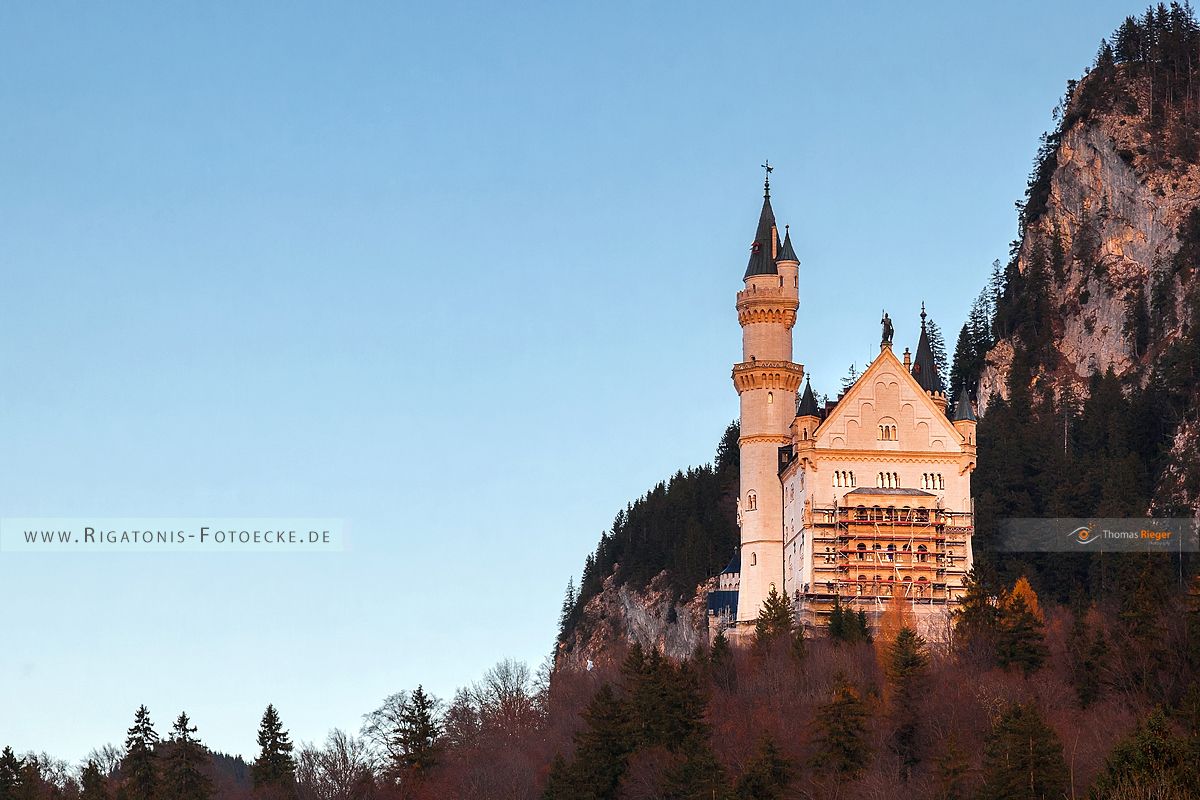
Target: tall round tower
[{"x": 767, "y": 381}]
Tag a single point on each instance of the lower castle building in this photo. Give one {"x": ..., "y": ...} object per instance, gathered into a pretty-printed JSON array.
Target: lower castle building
[{"x": 864, "y": 501}]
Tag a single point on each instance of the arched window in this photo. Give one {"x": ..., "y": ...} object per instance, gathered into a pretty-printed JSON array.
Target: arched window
[
  {"x": 862, "y": 551},
  {"x": 860, "y": 513},
  {"x": 770, "y": 398},
  {"x": 941, "y": 483},
  {"x": 751, "y": 501},
  {"x": 754, "y": 559}
]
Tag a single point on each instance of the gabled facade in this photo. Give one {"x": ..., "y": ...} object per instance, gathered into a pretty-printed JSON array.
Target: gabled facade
[{"x": 866, "y": 500}]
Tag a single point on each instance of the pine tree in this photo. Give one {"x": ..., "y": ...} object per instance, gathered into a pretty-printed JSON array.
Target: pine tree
[
  {"x": 976, "y": 620},
  {"x": 1151, "y": 761},
  {"x": 907, "y": 670},
  {"x": 841, "y": 736},
  {"x": 568, "y": 609},
  {"x": 274, "y": 768},
  {"x": 837, "y": 621},
  {"x": 10, "y": 774},
  {"x": 950, "y": 771},
  {"x": 766, "y": 776},
  {"x": 937, "y": 346},
  {"x": 602, "y": 751},
  {"x": 92, "y": 786},
  {"x": 721, "y": 663},
  {"x": 697, "y": 775},
  {"x": 850, "y": 379},
  {"x": 774, "y": 619},
  {"x": 184, "y": 764},
  {"x": 141, "y": 763},
  {"x": 417, "y": 735},
  {"x": 1023, "y": 758},
  {"x": 1020, "y": 640}
]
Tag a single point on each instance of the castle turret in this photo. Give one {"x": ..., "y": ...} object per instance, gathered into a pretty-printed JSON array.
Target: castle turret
[
  {"x": 766, "y": 381},
  {"x": 808, "y": 415},
  {"x": 964, "y": 417},
  {"x": 925, "y": 369}
]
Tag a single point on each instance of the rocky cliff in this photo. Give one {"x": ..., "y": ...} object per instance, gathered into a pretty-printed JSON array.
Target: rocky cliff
[
  {"x": 1117, "y": 213},
  {"x": 621, "y": 614},
  {"x": 1107, "y": 234}
]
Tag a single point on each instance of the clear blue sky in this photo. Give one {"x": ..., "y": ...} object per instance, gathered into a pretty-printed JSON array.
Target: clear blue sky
[{"x": 461, "y": 274}]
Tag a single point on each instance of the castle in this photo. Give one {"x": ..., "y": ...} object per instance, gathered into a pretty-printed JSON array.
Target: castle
[{"x": 858, "y": 502}]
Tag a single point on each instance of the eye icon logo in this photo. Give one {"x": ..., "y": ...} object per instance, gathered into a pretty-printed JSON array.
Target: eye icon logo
[{"x": 1083, "y": 534}]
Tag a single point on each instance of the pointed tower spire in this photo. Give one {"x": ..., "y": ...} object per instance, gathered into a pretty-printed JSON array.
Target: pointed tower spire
[
  {"x": 962, "y": 406},
  {"x": 766, "y": 236},
  {"x": 787, "y": 252},
  {"x": 924, "y": 369},
  {"x": 808, "y": 403}
]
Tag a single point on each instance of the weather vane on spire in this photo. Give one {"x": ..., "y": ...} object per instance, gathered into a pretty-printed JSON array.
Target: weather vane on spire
[{"x": 767, "y": 181}]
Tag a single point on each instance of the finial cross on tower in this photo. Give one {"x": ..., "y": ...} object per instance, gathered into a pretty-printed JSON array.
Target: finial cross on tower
[{"x": 767, "y": 181}]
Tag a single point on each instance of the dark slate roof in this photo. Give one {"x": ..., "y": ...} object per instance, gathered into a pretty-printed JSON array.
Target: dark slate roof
[
  {"x": 908, "y": 492},
  {"x": 808, "y": 403},
  {"x": 725, "y": 602},
  {"x": 735, "y": 564},
  {"x": 787, "y": 252},
  {"x": 962, "y": 407},
  {"x": 762, "y": 260},
  {"x": 923, "y": 368}
]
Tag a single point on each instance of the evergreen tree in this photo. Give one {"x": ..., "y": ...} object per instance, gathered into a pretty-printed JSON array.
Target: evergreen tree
[
  {"x": 766, "y": 775},
  {"x": 568, "y": 609},
  {"x": 602, "y": 751},
  {"x": 774, "y": 619},
  {"x": 907, "y": 669},
  {"x": 951, "y": 768},
  {"x": 847, "y": 626},
  {"x": 92, "y": 786},
  {"x": 841, "y": 736},
  {"x": 275, "y": 768},
  {"x": 976, "y": 620},
  {"x": 416, "y": 738},
  {"x": 1020, "y": 641},
  {"x": 962, "y": 370},
  {"x": 1023, "y": 758},
  {"x": 837, "y": 621},
  {"x": 1151, "y": 762},
  {"x": 937, "y": 346},
  {"x": 850, "y": 379},
  {"x": 140, "y": 765},
  {"x": 10, "y": 774},
  {"x": 697, "y": 775},
  {"x": 184, "y": 764},
  {"x": 721, "y": 663}
]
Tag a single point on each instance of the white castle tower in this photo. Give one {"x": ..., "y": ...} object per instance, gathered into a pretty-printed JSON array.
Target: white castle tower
[{"x": 766, "y": 381}]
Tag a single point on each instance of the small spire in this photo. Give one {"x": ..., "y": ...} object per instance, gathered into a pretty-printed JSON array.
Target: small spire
[
  {"x": 808, "y": 402},
  {"x": 923, "y": 315},
  {"x": 767, "y": 181},
  {"x": 962, "y": 407},
  {"x": 787, "y": 252}
]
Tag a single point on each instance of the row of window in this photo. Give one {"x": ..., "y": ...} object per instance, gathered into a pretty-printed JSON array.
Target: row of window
[
  {"x": 843, "y": 478},
  {"x": 932, "y": 480},
  {"x": 887, "y": 433},
  {"x": 887, "y": 480}
]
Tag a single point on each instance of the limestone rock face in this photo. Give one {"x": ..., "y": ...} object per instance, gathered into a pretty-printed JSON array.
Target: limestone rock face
[
  {"x": 1117, "y": 204},
  {"x": 1103, "y": 194},
  {"x": 621, "y": 615}
]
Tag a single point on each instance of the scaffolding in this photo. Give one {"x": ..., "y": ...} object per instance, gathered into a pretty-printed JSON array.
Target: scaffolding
[{"x": 864, "y": 556}]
